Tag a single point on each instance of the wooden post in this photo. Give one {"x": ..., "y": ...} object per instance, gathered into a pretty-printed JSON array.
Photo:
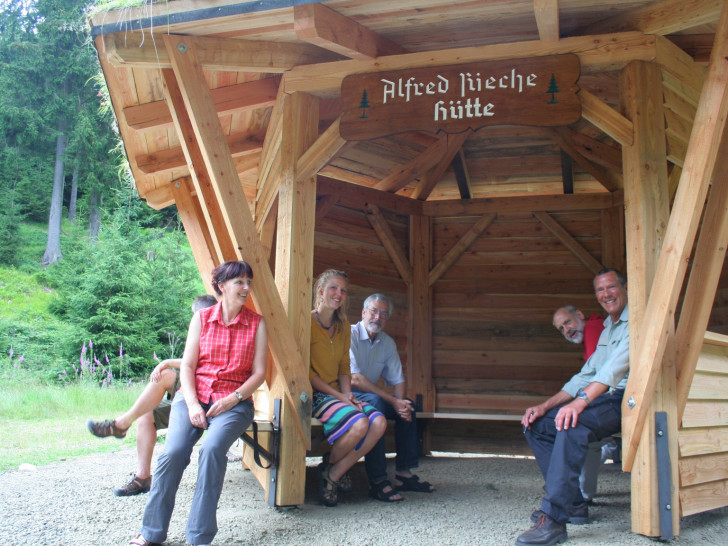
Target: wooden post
[
  {"x": 646, "y": 213},
  {"x": 419, "y": 328},
  {"x": 294, "y": 272}
]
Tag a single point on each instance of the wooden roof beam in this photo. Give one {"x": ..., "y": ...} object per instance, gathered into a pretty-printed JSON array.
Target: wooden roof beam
[
  {"x": 174, "y": 158},
  {"x": 326, "y": 146},
  {"x": 355, "y": 197},
  {"x": 140, "y": 49},
  {"x": 547, "y": 19},
  {"x": 268, "y": 172},
  {"x": 405, "y": 174},
  {"x": 596, "y": 53},
  {"x": 551, "y": 203},
  {"x": 662, "y": 17},
  {"x": 430, "y": 180},
  {"x": 606, "y": 118},
  {"x": 228, "y": 100},
  {"x": 322, "y": 26},
  {"x": 566, "y": 140},
  {"x": 709, "y": 129}
]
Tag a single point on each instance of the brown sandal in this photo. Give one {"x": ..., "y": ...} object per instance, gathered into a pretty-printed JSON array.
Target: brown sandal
[
  {"x": 102, "y": 429},
  {"x": 328, "y": 488}
]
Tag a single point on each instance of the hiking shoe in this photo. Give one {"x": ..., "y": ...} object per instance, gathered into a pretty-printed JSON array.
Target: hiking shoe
[
  {"x": 134, "y": 487},
  {"x": 102, "y": 429},
  {"x": 546, "y": 532}
]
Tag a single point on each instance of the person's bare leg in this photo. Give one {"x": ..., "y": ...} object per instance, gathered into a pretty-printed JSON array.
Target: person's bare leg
[
  {"x": 149, "y": 399},
  {"x": 373, "y": 432},
  {"x": 145, "y": 441}
]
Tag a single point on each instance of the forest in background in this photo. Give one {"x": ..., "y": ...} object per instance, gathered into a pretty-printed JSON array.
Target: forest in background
[{"x": 94, "y": 283}]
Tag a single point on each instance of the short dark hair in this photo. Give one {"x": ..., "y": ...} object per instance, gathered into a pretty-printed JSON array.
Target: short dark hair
[
  {"x": 230, "y": 270},
  {"x": 620, "y": 276},
  {"x": 203, "y": 302}
]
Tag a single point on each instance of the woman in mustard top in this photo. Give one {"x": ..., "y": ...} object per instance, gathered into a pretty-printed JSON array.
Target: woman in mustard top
[{"x": 351, "y": 427}]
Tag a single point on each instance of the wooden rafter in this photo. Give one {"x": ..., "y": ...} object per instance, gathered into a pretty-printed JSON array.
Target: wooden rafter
[
  {"x": 662, "y": 17},
  {"x": 322, "y": 26},
  {"x": 547, "y": 19},
  {"x": 598, "y": 152},
  {"x": 553, "y": 203},
  {"x": 268, "y": 178},
  {"x": 174, "y": 158},
  {"x": 405, "y": 174},
  {"x": 140, "y": 49},
  {"x": 601, "y": 52},
  {"x": 326, "y": 146},
  {"x": 708, "y": 130},
  {"x": 459, "y": 247},
  {"x": 354, "y": 196},
  {"x": 389, "y": 242},
  {"x": 564, "y": 137},
  {"x": 228, "y": 100},
  {"x": 224, "y": 248},
  {"x": 433, "y": 176},
  {"x": 569, "y": 242},
  {"x": 601, "y": 115}
]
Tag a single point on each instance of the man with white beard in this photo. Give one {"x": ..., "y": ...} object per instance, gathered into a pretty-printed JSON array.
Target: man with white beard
[
  {"x": 573, "y": 325},
  {"x": 373, "y": 355}
]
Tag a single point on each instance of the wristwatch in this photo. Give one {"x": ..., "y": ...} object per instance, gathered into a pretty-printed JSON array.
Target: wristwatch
[
  {"x": 239, "y": 396},
  {"x": 584, "y": 396}
]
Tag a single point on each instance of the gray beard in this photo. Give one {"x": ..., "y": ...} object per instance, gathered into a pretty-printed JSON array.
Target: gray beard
[{"x": 373, "y": 328}]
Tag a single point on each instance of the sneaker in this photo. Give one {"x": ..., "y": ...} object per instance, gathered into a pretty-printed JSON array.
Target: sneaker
[
  {"x": 102, "y": 429},
  {"x": 546, "y": 532},
  {"x": 134, "y": 487}
]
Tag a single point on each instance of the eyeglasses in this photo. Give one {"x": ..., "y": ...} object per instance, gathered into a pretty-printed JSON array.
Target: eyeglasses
[{"x": 378, "y": 313}]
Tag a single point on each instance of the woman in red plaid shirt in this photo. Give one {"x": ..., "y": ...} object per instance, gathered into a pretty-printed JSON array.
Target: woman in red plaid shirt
[{"x": 223, "y": 363}]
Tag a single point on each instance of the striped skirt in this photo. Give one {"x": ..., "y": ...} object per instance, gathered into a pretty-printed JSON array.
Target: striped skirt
[{"x": 338, "y": 417}]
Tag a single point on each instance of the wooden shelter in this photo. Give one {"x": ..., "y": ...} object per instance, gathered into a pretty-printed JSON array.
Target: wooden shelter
[{"x": 265, "y": 124}]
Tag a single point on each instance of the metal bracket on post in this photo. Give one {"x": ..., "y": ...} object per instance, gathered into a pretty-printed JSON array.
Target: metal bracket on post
[
  {"x": 664, "y": 476},
  {"x": 273, "y": 477}
]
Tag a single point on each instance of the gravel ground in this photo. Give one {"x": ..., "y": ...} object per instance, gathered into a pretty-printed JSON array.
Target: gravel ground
[{"x": 478, "y": 501}]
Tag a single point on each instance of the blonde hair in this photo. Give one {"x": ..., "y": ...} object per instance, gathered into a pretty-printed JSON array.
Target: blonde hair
[{"x": 320, "y": 284}]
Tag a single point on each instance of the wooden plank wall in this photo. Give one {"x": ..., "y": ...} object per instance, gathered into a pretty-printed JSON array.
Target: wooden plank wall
[
  {"x": 495, "y": 349},
  {"x": 703, "y": 436}
]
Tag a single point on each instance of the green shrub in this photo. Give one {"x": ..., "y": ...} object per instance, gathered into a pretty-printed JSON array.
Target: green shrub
[{"x": 129, "y": 293}]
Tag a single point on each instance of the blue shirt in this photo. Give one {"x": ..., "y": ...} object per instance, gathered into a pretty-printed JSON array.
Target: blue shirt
[
  {"x": 374, "y": 358},
  {"x": 609, "y": 364}
]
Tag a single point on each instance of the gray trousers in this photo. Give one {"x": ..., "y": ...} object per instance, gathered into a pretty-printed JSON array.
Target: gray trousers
[{"x": 222, "y": 432}]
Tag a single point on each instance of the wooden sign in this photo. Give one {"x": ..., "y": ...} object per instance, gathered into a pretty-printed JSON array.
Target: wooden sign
[{"x": 534, "y": 91}]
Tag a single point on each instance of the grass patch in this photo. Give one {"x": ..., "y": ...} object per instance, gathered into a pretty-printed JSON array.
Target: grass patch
[{"x": 47, "y": 423}]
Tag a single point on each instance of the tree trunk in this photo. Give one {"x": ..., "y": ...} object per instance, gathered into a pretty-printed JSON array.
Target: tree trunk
[
  {"x": 74, "y": 194},
  {"x": 53, "y": 247},
  {"x": 94, "y": 215}
]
